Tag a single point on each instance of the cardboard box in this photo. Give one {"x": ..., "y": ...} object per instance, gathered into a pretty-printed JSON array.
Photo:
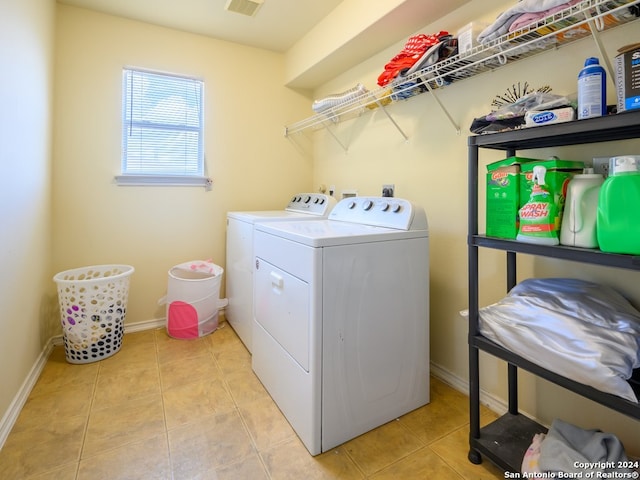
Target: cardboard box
[
  {"x": 557, "y": 177},
  {"x": 503, "y": 197},
  {"x": 627, "y": 67}
]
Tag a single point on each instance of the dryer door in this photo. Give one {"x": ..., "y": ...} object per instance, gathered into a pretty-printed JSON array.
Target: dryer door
[{"x": 282, "y": 309}]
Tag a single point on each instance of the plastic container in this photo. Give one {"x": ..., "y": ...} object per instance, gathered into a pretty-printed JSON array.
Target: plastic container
[
  {"x": 193, "y": 299},
  {"x": 592, "y": 90},
  {"x": 93, "y": 305},
  {"x": 580, "y": 210},
  {"x": 618, "y": 222}
]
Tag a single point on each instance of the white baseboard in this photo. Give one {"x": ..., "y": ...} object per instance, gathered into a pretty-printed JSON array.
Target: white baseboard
[
  {"x": 492, "y": 402},
  {"x": 145, "y": 325},
  {"x": 12, "y": 413}
]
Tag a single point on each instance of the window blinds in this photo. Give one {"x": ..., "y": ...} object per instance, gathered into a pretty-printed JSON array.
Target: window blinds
[{"x": 162, "y": 127}]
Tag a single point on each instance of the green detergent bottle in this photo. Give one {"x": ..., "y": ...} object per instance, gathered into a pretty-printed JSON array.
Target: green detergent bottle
[{"x": 618, "y": 221}]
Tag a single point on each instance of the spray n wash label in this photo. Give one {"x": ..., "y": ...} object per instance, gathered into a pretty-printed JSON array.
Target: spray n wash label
[
  {"x": 556, "y": 181},
  {"x": 538, "y": 215}
]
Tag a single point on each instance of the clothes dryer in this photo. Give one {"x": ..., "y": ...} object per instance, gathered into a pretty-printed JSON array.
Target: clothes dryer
[
  {"x": 341, "y": 332},
  {"x": 239, "y": 258}
]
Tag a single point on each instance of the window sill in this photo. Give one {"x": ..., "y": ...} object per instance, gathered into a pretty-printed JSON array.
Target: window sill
[{"x": 163, "y": 180}]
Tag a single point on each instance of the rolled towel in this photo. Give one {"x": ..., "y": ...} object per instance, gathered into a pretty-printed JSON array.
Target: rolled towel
[{"x": 336, "y": 99}]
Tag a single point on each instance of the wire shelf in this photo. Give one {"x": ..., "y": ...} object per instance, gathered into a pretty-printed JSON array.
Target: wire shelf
[{"x": 566, "y": 26}]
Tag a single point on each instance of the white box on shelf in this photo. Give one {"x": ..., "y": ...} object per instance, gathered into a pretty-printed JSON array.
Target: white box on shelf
[{"x": 467, "y": 36}]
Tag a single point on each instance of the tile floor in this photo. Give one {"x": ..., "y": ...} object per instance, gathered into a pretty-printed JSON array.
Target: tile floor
[{"x": 193, "y": 409}]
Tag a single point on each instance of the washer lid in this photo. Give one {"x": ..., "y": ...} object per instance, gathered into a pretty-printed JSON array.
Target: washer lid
[
  {"x": 324, "y": 233},
  {"x": 270, "y": 216}
]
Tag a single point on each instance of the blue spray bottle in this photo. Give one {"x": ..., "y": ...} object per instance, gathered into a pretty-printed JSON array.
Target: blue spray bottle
[{"x": 592, "y": 90}]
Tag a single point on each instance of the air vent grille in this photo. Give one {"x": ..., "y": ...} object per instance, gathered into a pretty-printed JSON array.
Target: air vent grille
[{"x": 244, "y": 7}]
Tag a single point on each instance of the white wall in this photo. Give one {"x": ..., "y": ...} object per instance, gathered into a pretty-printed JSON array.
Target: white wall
[
  {"x": 153, "y": 228},
  {"x": 26, "y": 55},
  {"x": 431, "y": 170}
]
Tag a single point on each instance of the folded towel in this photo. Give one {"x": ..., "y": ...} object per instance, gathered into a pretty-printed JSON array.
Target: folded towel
[
  {"x": 529, "y": 18},
  {"x": 337, "y": 99},
  {"x": 506, "y": 19}
]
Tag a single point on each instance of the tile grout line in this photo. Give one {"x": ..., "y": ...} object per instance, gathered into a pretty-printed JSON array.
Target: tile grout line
[
  {"x": 86, "y": 425},
  {"x": 164, "y": 411},
  {"x": 356, "y": 464},
  {"x": 451, "y": 466}
]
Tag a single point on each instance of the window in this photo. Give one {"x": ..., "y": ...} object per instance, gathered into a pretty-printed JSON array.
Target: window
[{"x": 162, "y": 129}]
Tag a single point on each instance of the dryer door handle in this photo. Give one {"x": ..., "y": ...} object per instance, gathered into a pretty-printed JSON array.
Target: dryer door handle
[{"x": 276, "y": 280}]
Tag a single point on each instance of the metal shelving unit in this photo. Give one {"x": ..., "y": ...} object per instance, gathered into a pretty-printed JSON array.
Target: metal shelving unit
[
  {"x": 587, "y": 18},
  {"x": 505, "y": 441}
]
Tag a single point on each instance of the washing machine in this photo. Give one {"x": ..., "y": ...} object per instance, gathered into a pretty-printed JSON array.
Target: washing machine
[
  {"x": 341, "y": 321},
  {"x": 239, "y": 261}
]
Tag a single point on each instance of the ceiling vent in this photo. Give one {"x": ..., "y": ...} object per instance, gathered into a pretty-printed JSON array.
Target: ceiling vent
[{"x": 245, "y": 7}]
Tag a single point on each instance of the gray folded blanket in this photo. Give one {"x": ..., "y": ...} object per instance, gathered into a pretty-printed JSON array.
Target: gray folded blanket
[{"x": 568, "y": 448}]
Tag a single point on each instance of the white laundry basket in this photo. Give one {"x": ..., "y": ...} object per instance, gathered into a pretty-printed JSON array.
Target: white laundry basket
[
  {"x": 193, "y": 299},
  {"x": 93, "y": 305}
]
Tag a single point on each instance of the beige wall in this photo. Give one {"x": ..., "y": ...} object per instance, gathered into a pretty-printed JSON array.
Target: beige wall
[
  {"x": 152, "y": 228},
  {"x": 26, "y": 55},
  {"x": 431, "y": 170}
]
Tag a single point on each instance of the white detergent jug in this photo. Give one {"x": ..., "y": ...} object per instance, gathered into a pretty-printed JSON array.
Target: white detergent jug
[{"x": 580, "y": 210}]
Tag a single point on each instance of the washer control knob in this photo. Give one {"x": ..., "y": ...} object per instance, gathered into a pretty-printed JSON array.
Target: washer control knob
[
  {"x": 396, "y": 208},
  {"x": 307, "y": 199},
  {"x": 321, "y": 200},
  {"x": 352, "y": 205},
  {"x": 367, "y": 205},
  {"x": 384, "y": 206}
]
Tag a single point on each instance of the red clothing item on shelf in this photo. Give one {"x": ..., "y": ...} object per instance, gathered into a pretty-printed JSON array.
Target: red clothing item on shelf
[{"x": 410, "y": 54}]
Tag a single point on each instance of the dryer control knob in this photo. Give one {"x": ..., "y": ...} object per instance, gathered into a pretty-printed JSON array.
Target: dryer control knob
[
  {"x": 307, "y": 199},
  {"x": 352, "y": 205},
  {"x": 384, "y": 206},
  {"x": 396, "y": 208},
  {"x": 367, "y": 205}
]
